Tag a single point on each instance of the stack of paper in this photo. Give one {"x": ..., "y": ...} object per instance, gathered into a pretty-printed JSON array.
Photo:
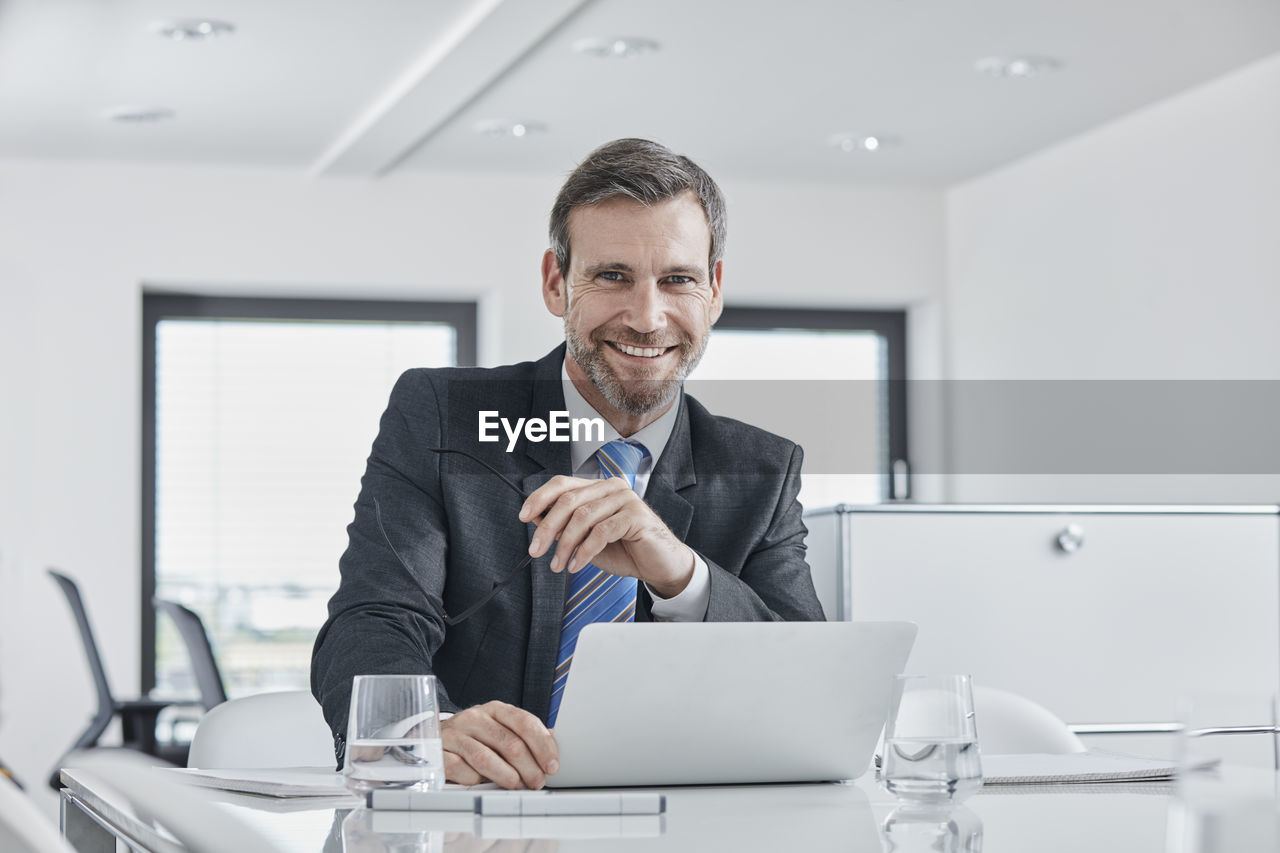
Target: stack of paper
[
  {"x": 1073, "y": 768},
  {"x": 271, "y": 782}
]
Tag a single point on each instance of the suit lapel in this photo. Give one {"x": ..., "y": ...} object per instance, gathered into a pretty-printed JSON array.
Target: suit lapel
[
  {"x": 546, "y": 396},
  {"x": 548, "y": 459},
  {"x": 673, "y": 473}
]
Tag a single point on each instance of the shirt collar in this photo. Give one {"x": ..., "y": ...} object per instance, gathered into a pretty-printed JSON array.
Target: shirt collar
[{"x": 654, "y": 437}]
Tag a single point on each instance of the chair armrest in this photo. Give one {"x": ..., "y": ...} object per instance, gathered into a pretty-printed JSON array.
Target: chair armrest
[{"x": 138, "y": 722}]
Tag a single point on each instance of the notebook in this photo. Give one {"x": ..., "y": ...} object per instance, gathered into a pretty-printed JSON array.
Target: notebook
[
  {"x": 1074, "y": 768},
  {"x": 732, "y": 702}
]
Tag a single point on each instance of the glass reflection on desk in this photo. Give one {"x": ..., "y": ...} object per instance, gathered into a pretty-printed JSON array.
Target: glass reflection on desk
[
  {"x": 368, "y": 831},
  {"x": 920, "y": 828}
]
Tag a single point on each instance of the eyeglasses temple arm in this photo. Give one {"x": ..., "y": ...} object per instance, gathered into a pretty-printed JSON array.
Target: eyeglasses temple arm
[
  {"x": 432, "y": 599},
  {"x": 497, "y": 587},
  {"x": 476, "y": 459}
]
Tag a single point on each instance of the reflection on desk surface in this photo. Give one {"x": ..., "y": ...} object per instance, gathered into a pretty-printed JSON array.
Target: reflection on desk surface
[
  {"x": 791, "y": 818},
  {"x": 747, "y": 817}
]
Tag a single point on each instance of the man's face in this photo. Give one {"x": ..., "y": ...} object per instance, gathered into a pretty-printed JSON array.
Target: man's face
[{"x": 639, "y": 301}]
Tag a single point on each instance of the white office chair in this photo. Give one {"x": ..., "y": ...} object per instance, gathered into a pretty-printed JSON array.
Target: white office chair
[
  {"x": 184, "y": 810},
  {"x": 267, "y": 730},
  {"x": 1010, "y": 724},
  {"x": 23, "y": 829}
]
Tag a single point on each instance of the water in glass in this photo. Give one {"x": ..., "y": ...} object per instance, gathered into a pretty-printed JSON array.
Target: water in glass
[
  {"x": 396, "y": 762},
  {"x": 932, "y": 769},
  {"x": 393, "y": 734}
]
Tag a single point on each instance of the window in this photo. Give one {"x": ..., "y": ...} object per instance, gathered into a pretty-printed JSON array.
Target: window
[
  {"x": 832, "y": 380},
  {"x": 258, "y": 417}
]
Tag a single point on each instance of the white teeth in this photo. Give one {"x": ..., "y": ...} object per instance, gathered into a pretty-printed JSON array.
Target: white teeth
[{"x": 644, "y": 352}]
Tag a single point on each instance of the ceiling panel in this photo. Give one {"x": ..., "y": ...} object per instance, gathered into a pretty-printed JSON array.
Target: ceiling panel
[
  {"x": 751, "y": 88},
  {"x": 275, "y": 93},
  {"x": 757, "y": 91}
]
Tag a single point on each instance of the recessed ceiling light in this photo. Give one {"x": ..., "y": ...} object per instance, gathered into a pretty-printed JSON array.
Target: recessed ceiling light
[
  {"x": 1016, "y": 66},
  {"x": 503, "y": 127},
  {"x": 192, "y": 29},
  {"x": 615, "y": 48},
  {"x": 139, "y": 115},
  {"x": 850, "y": 142}
]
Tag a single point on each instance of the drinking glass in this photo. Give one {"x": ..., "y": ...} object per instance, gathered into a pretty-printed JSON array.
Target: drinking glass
[
  {"x": 1228, "y": 756},
  {"x": 931, "y": 741},
  {"x": 393, "y": 734}
]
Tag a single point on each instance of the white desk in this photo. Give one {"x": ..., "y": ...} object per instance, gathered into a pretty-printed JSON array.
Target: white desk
[{"x": 789, "y": 818}]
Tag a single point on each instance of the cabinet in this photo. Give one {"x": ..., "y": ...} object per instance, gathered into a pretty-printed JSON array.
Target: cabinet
[{"x": 1106, "y": 615}]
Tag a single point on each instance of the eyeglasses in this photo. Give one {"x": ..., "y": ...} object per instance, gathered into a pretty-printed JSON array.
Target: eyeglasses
[{"x": 434, "y": 600}]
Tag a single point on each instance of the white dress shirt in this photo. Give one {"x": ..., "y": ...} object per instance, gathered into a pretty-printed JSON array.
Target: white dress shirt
[{"x": 690, "y": 605}]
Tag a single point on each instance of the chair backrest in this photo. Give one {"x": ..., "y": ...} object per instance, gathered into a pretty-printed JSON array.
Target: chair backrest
[
  {"x": 1013, "y": 724},
  {"x": 199, "y": 650},
  {"x": 23, "y": 828},
  {"x": 106, "y": 703},
  {"x": 265, "y": 730}
]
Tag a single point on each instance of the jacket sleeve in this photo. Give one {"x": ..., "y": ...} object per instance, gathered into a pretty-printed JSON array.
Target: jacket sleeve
[
  {"x": 386, "y": 615},
  {"x": 774, "y": 583}
]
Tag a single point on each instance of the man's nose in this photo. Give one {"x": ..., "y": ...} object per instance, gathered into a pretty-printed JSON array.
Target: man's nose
[{"x": 646, "y": 309}]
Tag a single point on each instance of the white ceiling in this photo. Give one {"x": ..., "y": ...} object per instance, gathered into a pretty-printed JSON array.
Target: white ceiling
[{"x": 750, "y": 88}]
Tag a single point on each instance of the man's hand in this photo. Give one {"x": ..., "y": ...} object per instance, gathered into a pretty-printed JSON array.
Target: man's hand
[
  {"x": 499, "y": 743},
  {"x": 606, "y": 523}
]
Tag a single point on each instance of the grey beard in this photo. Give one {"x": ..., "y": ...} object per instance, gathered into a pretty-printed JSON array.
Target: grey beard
[{"x": 635, "y": 397}]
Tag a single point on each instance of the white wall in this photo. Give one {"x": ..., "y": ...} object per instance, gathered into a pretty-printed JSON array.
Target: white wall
[
  {"x": 1146, "y": 249},
  {"x": 79, "y": 242}
]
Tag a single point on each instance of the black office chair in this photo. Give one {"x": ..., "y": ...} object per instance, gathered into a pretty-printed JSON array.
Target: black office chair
[
  {"x": 137, "y": 716},
  {"x": 203, "y": 664}
]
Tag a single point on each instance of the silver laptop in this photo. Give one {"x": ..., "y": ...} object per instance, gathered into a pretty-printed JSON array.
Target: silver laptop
[{"x": 717, "y": 703}]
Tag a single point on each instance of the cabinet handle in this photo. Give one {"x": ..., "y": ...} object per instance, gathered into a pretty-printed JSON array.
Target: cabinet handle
[
  {"x": 1071, "y": 539},
  {"x": 900, "y": 481}
]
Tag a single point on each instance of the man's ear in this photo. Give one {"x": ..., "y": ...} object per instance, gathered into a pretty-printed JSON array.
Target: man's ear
[
  {"x": 555, "y": 290},
  {"x": 717, "y": 300}
]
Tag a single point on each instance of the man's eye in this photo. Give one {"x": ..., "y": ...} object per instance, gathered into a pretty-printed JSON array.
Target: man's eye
[
  {"x": 610, "y": 276},
  {"x": 682, "y": 280}
]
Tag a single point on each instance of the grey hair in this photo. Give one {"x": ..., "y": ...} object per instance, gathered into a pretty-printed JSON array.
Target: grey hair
[{"x": 642, "y": 170}]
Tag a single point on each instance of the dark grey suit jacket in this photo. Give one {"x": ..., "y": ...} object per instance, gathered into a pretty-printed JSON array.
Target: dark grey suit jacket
[{"x": 727, "y": 489}]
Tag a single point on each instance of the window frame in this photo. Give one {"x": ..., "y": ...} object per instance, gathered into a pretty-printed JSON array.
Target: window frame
[
  {"x": 163, "y": 305},
  {"x": 889, "y": 324}
]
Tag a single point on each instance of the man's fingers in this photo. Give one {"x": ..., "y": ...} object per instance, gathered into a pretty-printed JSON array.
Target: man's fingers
[
  {"x": 462, "y": 736},
  {"x": 556, "y": 515},
  {"x": 602, "y": 535},
  {"x": 536, "y": 736},
  {"x": 582, "y": 521},
  {"x": 510, "y": 746},
  {"x": 498, "y": 742},
  {"x": 564, "y": 498},
  {"x": 545, "y": 495},
  {"x": 457, "y": 770},
  {"x": 487, "y": 763}
]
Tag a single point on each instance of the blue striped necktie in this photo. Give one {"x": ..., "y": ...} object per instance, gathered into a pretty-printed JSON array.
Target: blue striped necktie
[{"x": 596, "y": 596}]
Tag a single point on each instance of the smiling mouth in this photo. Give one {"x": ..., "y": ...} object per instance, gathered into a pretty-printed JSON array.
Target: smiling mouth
[{"x": 639, "y": 352}]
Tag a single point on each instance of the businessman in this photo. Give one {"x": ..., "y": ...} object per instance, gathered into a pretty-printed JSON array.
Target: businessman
[{"x": 664, "y": 512}]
